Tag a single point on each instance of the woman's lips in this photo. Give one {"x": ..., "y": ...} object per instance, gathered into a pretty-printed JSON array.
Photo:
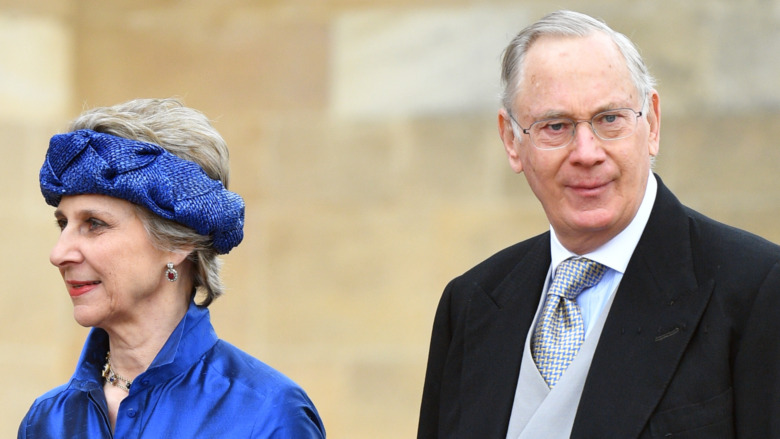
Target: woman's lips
[{"x": 77, "y": 288}]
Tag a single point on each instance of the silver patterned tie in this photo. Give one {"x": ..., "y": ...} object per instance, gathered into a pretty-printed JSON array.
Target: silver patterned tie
[{"x": 560, "y": 331}]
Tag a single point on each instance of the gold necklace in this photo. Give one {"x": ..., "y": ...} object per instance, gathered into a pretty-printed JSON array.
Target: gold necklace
[{"x": 114, "y": 378}]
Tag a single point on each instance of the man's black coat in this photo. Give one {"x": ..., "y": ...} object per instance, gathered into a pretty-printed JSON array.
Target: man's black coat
[{"x": 690, "y": 348}]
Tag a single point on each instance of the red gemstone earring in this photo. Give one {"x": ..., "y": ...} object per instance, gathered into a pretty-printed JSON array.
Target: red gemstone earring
[{"x": 171, "y": 273}]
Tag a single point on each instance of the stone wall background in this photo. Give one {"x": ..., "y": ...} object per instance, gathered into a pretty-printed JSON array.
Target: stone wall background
[{"x": 363, "y": 139}]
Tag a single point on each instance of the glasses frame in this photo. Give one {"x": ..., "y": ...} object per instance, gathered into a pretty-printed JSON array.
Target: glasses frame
[{"x": 576, "y": 122}]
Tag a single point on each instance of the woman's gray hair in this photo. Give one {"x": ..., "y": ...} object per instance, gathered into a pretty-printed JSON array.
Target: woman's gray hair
[
  {"x": 567, "y": 24},
  {"x": 188, "y": 134}
]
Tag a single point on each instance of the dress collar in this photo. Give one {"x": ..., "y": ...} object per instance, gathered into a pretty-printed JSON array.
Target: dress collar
[{"x": 192, "y": 337}]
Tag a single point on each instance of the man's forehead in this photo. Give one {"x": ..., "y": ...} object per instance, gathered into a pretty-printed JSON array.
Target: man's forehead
[
  {"x": 563, "y": 75},
  {"x": 552, "y": 54}
]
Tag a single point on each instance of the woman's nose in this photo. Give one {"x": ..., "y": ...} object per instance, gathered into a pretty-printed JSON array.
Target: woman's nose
[{"x": 66, "y": 249}]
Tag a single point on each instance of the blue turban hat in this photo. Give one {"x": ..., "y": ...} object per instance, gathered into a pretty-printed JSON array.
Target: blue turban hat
[{"x": 88, "y": 162}]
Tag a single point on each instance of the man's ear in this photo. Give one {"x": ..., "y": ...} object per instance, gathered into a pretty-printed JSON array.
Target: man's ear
[
  {"x": 511, "y": 143},
  {"x": 654, "y": 120}
]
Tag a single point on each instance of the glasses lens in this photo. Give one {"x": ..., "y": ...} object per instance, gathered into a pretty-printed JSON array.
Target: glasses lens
[
  {"x": 614, "y": 124},
  {"x": 552, "y": 133},
  {"x": 609, "y": 125}
]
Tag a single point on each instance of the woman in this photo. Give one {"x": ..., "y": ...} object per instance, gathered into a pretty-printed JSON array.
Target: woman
[{"x": 143, "y": 209}]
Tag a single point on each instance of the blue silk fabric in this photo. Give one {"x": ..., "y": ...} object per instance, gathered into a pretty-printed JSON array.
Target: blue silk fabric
[{"x": 197, "y": 387}]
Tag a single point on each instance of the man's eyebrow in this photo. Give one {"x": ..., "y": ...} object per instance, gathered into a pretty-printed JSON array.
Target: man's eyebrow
[
  {"x": 559, "y": 114},
  {"x": 553, "y": 114}
]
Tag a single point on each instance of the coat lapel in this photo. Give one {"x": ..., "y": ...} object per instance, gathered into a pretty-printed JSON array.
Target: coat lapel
[
  {"x": 655, "y": 311},
  {"x": 497, "y": 325}
]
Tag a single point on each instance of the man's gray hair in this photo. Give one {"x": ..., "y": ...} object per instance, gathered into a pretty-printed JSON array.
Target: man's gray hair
[{"x": 567, "y": 24}]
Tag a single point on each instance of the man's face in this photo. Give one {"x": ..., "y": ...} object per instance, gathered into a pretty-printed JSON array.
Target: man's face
[{"x": 592, "y": 188}]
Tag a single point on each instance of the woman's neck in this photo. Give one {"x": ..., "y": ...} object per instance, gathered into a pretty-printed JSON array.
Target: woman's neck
[{"x": 135, "y": 344}]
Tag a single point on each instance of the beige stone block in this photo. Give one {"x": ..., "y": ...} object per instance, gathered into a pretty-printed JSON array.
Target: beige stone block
[
  {"x": 250, "y": 136},
  {"x": 472, "y": 233},
  {"x": 744, "y": 71},
  {"x": 726, "y": 167},
  {"x": 418, "y": 61},
  {"x": 347, "y": 276},
  {"x": 220, "y": 60},
  {"x": 306, "y": 159},
  {"x": 37, "y": 70},
  {"x": 23, "y": 147},
  {"x": 387, "y": 395}
]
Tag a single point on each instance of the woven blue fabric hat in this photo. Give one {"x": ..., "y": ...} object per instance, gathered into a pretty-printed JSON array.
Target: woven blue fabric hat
[{"x": 88, "y": 162}]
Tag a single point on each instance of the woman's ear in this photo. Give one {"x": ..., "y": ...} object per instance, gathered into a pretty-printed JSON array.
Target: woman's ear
[{"x": 180, "y": 255}]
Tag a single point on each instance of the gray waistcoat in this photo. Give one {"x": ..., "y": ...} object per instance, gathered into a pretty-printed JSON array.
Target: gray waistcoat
[{"x": 539, "y": 412}]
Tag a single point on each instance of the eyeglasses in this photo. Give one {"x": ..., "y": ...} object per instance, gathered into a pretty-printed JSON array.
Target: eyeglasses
[{"x": 558, "y": 132}]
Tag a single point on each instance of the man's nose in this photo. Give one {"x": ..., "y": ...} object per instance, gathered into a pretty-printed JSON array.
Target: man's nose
[{"x": 587, "y": 145}]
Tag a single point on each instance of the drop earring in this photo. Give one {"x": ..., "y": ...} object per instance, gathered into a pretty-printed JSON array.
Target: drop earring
[{"x": 171, "y": 273}]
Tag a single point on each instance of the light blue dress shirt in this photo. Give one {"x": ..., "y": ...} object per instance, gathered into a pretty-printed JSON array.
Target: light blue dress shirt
[
  {"x": 615, "y": 255},
  {"x": 197, "y": 387}
]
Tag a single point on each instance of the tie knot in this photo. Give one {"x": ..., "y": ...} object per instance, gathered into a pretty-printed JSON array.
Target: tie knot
[{"x": 574, "y": 275}]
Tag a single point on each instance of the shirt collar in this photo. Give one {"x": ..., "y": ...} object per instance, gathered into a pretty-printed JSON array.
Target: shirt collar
[{"x": 616, "y": 253}]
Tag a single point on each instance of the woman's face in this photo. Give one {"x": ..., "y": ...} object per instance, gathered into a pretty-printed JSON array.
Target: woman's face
[{"x": 113, "y": 273}]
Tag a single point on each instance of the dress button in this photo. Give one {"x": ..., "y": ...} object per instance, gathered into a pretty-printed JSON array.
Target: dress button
[
  {"x": 145, "y": 382},
  {"x": 132, "y": 413}
]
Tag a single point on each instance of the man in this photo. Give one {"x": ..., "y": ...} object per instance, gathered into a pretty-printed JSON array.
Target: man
[{"x": 634, "y": 316}]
